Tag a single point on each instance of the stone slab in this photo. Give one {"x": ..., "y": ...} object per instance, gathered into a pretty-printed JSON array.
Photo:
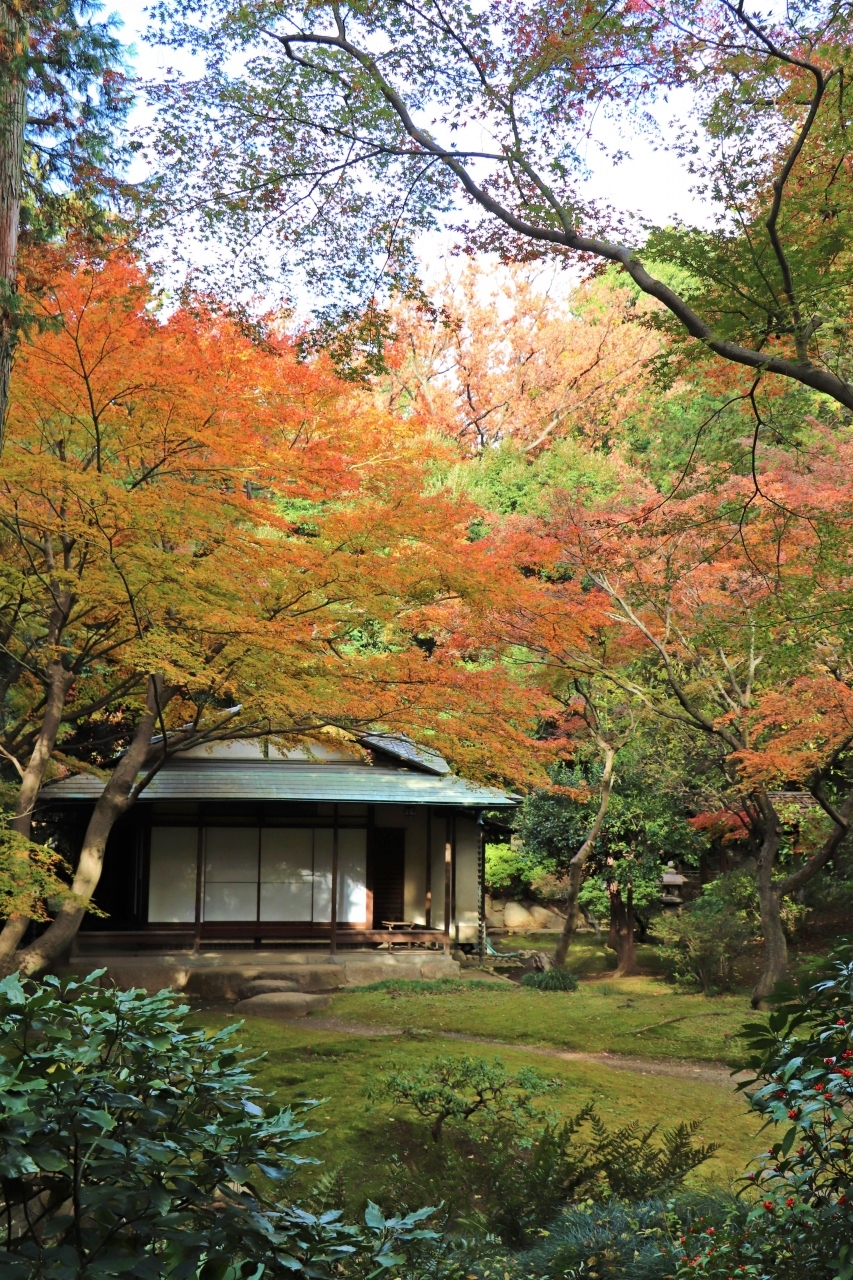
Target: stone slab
[
  {"x": 360, "y": 974},
  {"x": 265, "y": 986},
  {"x": 308, "y": 977},
  {"x": 282, "y": 1004},
  {"x": 433, "y": 970},
  {"x": 218, "y": 983}
]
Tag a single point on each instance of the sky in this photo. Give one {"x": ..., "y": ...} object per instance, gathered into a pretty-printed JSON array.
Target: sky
[{"x": 650, "y": 182}]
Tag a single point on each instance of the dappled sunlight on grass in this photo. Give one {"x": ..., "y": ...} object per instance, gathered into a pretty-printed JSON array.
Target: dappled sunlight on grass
[
  {"x": 639, "y": 1016},
  {"x": 305, "y": 1062}
]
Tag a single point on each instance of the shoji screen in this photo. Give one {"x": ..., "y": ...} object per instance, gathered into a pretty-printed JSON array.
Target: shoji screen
[{"x": 172, "y": 875}]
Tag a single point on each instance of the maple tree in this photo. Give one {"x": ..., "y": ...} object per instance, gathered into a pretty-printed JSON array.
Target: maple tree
[
  {"x": 207, "y": 539},
  {"x": 725, "y": 613},
  {"x": 499, "y": 356},
  {"x": 348, "y": 129}
]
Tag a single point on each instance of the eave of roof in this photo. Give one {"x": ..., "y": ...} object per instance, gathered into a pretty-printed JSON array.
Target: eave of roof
[{"x": 294, "y": 782}]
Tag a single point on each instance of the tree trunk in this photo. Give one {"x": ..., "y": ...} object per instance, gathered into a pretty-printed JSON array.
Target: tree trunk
[
  {"x": 59, "y": 682},
  {"x": 621, "y": 938},
  {"x": 115, "y": 799},
  {"x": 579, "y": 861},
  {"x": 13, "y": 115},
  {"x": 775, "y": 946},
  {"x": 770, "y": 895}
]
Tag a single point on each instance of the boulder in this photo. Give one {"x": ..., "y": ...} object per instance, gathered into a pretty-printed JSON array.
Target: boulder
[
  {"x": 212, "y": 982},
  {"x": 282, "y": 1004},
  {"x": 517, "y": 916},
  {"x": 545, "y": 918},
  {"x": 432, "y": 970},
  {"x": 362, "y": 973},
  {"x": 265, "y": 986},
  {"x": 307, "y": 977}
]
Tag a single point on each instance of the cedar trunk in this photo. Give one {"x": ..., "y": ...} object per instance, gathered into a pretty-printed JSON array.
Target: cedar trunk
[{"x": 13, "y": 115}]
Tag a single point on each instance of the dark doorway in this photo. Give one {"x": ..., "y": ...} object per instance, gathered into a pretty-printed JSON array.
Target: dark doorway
[{"x": 389, "y": 871}]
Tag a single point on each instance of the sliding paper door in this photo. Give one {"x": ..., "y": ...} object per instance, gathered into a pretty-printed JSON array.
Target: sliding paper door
[
  {"x": 231, "y": 873},
  {"x": 287, "y": 873},
  {"x": 172, "y": 875}
]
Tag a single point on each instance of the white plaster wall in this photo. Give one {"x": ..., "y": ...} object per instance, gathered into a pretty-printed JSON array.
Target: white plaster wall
[{"x": 466, "y": 879}]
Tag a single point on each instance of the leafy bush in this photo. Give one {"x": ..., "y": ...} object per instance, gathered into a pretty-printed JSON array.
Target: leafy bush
[
  {"x": 702, "y": 944},
  {"x": 551, "y": 980},
  {"x": 507, "y": 869},
  {"x": 463, "y": 1087},
  {"x": 800, "y": 1222},
  {"x": 502, "y": 1170},
  {"x": 618, "y": 1241},
  {"x": 133, "y": 1144}
]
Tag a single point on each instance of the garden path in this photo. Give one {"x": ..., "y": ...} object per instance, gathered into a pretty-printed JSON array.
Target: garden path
[{"x": 681, "y": 1068}]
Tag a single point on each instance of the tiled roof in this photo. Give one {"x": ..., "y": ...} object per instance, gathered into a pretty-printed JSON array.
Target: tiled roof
[{"x": 293, "y": 781}]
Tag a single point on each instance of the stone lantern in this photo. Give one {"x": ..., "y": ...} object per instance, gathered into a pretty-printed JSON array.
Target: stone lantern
[{"x": 671, "y": 882}]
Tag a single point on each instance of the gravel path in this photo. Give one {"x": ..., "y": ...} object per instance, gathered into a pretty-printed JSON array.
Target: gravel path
[{"x": 682, "y": 1068}]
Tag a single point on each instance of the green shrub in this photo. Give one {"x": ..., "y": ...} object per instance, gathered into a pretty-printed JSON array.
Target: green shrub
[
  {"x": 551, "y": 980},
  {"x": 618, "y": 1241},
  {"x": 800, "y": 1220},
  {"x": 503, "y": 1169},
  {"x": 462, "y": 1088},
  {"x": 133, "y": 1144},
  {"x": 702, "y": 944}
]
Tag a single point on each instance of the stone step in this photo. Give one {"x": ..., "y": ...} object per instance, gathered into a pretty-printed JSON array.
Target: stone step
[
  {"x": 215, "y": 979},
  {"x": 282, "y": 1004},
  {"x": 265, "y": 986}
]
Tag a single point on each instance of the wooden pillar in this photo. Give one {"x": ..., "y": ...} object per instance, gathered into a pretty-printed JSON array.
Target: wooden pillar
[
  {"x": 258, "y": 893},
  {"x": 481, "y": 887},
  {"x": 453, "y": 879},
  {"x": 333, "y": 935},
  {"x": 428, "y": 873},
  {"x": 448, "y": 880},
  {"x": 199, "y": 876},
  {"x": 368, "y": 904}
]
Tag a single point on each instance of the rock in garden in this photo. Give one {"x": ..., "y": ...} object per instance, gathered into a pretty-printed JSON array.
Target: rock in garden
[
  {"x": 282, "y": 1004},
  {"x": 265, "y": 987},
  {"x": 517, "y": 917}
]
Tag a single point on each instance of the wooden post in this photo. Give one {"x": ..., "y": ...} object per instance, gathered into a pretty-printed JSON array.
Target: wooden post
[
  {"x": 333, "y": 935},
  {"x": 368, "y": 904},
  {"x": 481, "y": 887},
  {"x": 258, "y": 938},
  {"x": 428, "y": 874},
  {"x": 453, "y": 879},
  {"x": 448, "y": 871},
  {"x": 199, "y": 874}
]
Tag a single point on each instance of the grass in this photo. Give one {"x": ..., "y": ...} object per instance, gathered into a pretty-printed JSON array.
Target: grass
[
  {"x": 587, "y": 958},
  {"x": 303, "y": 1062},
  {"x": 642, "y": 1017}
]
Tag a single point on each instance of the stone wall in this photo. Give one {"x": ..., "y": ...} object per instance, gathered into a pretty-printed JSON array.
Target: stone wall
[{"x": 521, "y": 917}]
